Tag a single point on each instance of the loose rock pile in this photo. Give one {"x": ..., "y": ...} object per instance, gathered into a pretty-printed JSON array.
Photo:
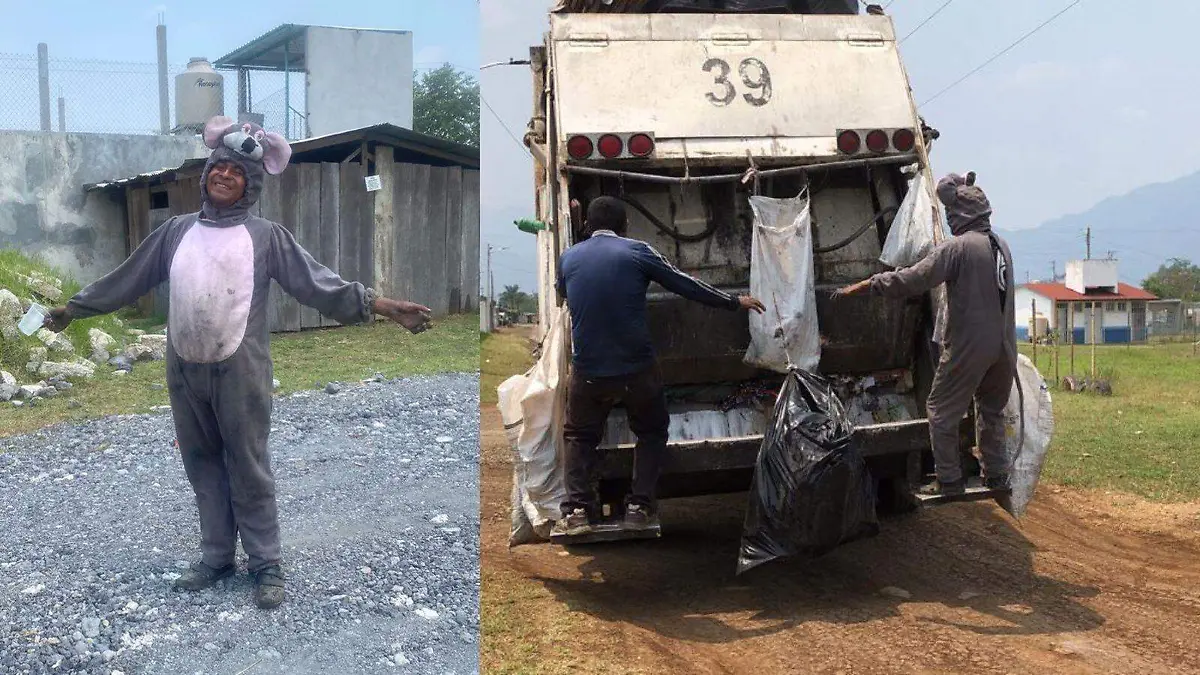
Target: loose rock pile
[{"x": 56, "y": 362}]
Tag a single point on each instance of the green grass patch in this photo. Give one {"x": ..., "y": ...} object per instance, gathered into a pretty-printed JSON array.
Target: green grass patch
[
  {"x": 502, "y": 355},
  {"x": 302, "y": 360},
  {"x": 1144, "y": 438}
]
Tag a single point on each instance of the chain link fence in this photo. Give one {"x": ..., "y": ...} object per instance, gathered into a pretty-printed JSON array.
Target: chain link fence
[{"x": 115, "y": 97}]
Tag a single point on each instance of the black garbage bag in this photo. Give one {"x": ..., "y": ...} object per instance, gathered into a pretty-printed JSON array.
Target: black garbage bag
[{"x": 811, "y": 491}]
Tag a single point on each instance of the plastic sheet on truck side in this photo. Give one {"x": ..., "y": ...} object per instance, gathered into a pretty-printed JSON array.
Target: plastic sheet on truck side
[
  {"x": 782, "y": 276},
  {"x": 1032, "y": 441},
  {"x": 532, "y": 407},
  {"x": 811, "y": 490}
]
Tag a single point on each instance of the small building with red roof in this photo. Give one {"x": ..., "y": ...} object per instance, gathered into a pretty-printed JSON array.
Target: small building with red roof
[{"x": 1089, "y": 305}]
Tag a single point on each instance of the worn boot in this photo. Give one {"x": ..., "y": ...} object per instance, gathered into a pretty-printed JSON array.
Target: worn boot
[
  {"x": 939, "y": 489},
  {"x": 200, "y": 576},
  {"x": 573, "y": 523},
  {"x": 268, "y": 587}
]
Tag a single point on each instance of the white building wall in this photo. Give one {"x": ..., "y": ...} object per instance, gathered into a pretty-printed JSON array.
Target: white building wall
[{"x": 358, "y": 78}]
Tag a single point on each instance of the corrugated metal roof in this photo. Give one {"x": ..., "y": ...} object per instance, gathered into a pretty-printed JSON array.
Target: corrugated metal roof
[
  {"x": 266, "y": 51},
  {"x": 149, "y": 176},
  {"x": 1060, "y": 293}
]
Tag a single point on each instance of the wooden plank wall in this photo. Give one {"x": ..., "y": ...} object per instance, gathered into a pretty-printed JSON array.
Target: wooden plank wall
[{"x": 415, "y": 239}]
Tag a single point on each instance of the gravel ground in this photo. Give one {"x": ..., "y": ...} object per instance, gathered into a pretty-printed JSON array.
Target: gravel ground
[{"x": 379, "y": 504}]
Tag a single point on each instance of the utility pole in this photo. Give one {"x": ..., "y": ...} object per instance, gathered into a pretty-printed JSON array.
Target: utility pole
[
  {"x": 491, "y": 321},
  {"x": 1089, "y": 243},
  {"x": 1053, "y": 271}
]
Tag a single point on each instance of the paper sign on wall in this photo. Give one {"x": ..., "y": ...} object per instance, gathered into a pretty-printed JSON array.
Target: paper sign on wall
[{"x": 373, "y": 183}]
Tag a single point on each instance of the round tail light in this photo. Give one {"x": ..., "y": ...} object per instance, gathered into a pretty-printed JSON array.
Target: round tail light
[
  {"x": 641, "y": 145},
  {"x": 904, "y": 140},
  {"x": 877, "y": 141},
  {"x": 610, "y": 146},
  {"x": 579, "y": 147},
  {"x": 848, "y": 142}
]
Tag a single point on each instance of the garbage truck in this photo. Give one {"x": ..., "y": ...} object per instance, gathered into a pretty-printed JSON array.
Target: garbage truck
[{"x": 698, "y": 114}]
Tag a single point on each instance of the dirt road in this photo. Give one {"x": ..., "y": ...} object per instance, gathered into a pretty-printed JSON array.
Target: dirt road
[{"x": 1086, "y": 583}]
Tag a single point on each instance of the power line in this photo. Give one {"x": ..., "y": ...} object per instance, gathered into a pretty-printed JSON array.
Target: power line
[
  {"x": 927, "y": 20},
  {"x": 510, "y": 133},
  {"x": 1002, "y": 52}
]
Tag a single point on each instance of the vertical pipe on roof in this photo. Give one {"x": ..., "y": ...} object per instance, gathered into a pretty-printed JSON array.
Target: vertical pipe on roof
[{"x": 287, "y": 92}]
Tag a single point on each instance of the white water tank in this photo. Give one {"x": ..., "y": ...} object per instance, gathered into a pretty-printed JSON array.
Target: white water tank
[{"x": 199, "y": 94}]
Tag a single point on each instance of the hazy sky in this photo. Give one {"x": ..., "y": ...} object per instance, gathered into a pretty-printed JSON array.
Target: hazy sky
[
  {"x": 123, "y": 30},
  {"x": 1094, "y": 105},
  {"x": 80, "y": 33}
]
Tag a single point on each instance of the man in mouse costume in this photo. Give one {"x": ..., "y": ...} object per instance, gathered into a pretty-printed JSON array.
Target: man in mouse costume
[
  {"x": 980, "y": 357},
  {"x": 220, "y": 263}
]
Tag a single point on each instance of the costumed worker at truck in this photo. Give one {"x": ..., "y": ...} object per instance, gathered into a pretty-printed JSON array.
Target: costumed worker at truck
[{"x": 979, "y": 360}]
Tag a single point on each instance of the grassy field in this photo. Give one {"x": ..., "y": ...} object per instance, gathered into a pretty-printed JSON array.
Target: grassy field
[
  {"x": 302, "y": 360},
  {"x": 501, "y": 356},
  {"x": 1143, "y": 439}
]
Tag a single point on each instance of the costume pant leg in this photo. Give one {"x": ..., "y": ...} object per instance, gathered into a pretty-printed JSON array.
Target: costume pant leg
[
  {"x": 649, "y": 420},
  {"x": 991, "y": 398},
  {"x": 243, "y": 404},
  {"x": 958, "y": 376},
  {"x": 588, "y": 405},
  {"x": 202, "y": 452}
]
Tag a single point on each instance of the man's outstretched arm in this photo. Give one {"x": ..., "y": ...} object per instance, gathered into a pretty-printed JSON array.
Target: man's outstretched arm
[{"x": 675, "y": 280}]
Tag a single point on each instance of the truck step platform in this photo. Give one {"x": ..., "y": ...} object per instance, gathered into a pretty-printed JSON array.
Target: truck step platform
[
  {"x": 608, "y": 531},
  {"x": 972, "y": 494}
]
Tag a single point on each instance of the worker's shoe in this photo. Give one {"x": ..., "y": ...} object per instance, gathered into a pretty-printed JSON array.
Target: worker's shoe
[
  {"x": 573, "y": 523},
  {"x": 268, "y": 587},
  {"x": 637, "y": 517},
  {"x": 938, "y": 488},
  {"x": 200, "y": 576}
]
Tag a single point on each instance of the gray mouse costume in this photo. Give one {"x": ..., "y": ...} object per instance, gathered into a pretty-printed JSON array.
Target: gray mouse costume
[
  {"x": 980, "y": 356},
  {"x": 220, "y": 263}
]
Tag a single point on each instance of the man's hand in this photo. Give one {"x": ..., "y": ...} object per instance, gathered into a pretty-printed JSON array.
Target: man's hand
[
  {"x": 751, "y": 303},
  {"x": 853, "y": 289},
  {"x": 414, "y": 317},
  {"x": 57, "y": 319}
]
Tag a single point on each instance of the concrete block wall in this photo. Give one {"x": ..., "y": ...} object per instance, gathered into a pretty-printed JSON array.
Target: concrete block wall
[{"x": 44, "y": 209}]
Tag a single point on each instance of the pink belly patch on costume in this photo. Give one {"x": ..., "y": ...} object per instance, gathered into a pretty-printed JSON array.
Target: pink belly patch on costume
[{"x": 212, "y": 283}]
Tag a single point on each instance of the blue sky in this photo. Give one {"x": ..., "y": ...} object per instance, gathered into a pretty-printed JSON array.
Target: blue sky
[
  {"x": 1094, "y": 105},
  {"x": 123, "y": 30},
  {"x": 81, "y": 33}
]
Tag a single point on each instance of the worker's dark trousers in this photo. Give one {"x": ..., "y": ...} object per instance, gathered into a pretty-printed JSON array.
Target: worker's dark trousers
[
  {"x": 588, "y": 403},
  {"x": 222, "y": 417},
  {"x": 983, "y": 372}
]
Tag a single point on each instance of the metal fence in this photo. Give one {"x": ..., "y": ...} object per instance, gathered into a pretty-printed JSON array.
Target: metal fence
[{"x": 115, "y": 97}]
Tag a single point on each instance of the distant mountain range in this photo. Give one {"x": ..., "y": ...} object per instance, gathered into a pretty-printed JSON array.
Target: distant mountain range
[{"x": 1143, "y": 229}]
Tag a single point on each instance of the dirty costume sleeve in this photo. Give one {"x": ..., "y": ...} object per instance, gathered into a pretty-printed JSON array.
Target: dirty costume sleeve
[
  {"x": 661, "y": 270},
  {"x": 937, "y": 267},
  {"x": 137, "y": 276},
  {"x": 314, "y": 284}
]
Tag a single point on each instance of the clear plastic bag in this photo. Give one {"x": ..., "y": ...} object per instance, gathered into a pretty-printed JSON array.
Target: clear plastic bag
[
  {"x": 1026, "y": 444},
  {"x": 911, "y": 236}
]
